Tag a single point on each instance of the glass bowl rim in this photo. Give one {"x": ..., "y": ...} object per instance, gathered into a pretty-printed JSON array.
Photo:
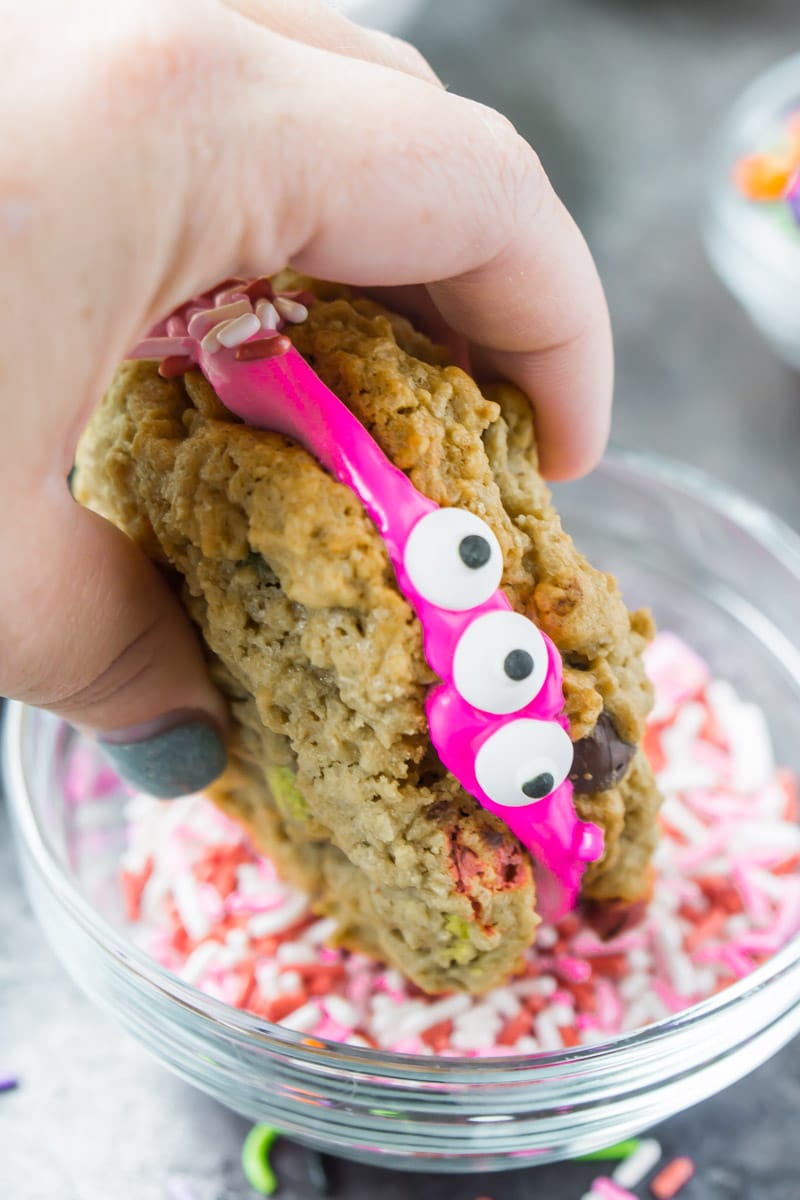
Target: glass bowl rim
[{"x": 774, "y": 535}]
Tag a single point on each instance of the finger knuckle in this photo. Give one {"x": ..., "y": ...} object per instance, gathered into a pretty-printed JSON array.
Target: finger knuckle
[
  {"x": 153, "y": 59},
  {"x": 406, "y": 56}
]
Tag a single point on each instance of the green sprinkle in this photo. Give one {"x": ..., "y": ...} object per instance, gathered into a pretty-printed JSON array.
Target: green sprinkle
[
  {"x": 255, "y": 1159},
  {"x": 460, "y": 948},
  {"x": 288, "y": 797},
  {"x": 621, "y": 1150}
]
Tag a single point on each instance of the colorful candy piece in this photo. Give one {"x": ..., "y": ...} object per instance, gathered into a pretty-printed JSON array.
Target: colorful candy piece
[
  {"x": 763, "y": 176},
  {"x": 255, "y": 1159},
  {"x": 672, "y": 1178},
  {"x": 638, "y": 1165},
  {"x": 612, "y": 1153}
]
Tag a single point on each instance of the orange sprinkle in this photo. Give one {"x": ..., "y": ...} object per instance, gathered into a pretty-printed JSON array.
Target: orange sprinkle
[
  {"x": 569, "y": 1035},
  {"x": 669, "y": 1181},
  {"x": 785, "y": 779},
  {"x": 720, "y": 893},
  {"x": 515, "y": 1028},
  {"x": 133, "y": 884},
  {"x": 705, "y": 929},
  {"x": 763, "y": 176},
  {"x": 651, "y": 744},
  {"x": 612, "y": 966},
  {"x": 438, "y": 1036},
  {"x": 788, "y": 867}
]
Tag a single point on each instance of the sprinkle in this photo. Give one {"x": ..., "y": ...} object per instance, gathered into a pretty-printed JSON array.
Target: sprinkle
[
  {"x": 215, "y": 913},
  {"x": 612, "y": 1153},
  {"x": 175, "y": 365},
  {"x": 607, "y": 1189},
  {"x": 233, "y": 333},
  {"x": 8, "y": 1083},
  {"x": 267, "y": 314},
  {"x": 255, "y": 1159},
  {"x": 291, "y": 310},
  {"x": 267, "y": 347},
  {"x": 639, "y": 1164},
  {"x": 672, "y": 1178}
]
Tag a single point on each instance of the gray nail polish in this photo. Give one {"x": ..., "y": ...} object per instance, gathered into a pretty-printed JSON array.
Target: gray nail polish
[{"x": 171, "y": 756}]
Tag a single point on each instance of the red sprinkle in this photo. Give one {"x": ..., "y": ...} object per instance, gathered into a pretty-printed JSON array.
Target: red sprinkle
[
  {"x": 672, "y": 1178},
  {"x": 438, "y": 1036},
  {"x": 613, "y": 966},
  {"x": 515, "y": 1028},
  {"x": 707, "y": 928},
  {"x": 267, "y": 347},
  {"x": 178, "y": 364},
  {"x": 133, "y": 884}
]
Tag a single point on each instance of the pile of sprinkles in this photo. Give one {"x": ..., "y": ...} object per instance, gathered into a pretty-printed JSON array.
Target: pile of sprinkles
[
  {"x": 208, "y": 907},
  {"x": 772, "y": 175}
]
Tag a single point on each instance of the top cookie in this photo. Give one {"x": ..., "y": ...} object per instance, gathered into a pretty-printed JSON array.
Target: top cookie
[{"x": 332, "y": 767}]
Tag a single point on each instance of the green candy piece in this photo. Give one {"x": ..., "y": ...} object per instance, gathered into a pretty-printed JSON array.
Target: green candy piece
[
  {"x": 621, "y": 1150},
  {"x": 255, "y": 1159},
  {"x": 288, "y": 797}
]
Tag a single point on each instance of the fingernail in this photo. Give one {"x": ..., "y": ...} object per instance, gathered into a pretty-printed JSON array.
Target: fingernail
[{"x": 174, "y": 755}]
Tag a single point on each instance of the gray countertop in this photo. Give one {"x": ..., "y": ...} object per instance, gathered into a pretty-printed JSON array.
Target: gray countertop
[{"x": 621, "y": 100}]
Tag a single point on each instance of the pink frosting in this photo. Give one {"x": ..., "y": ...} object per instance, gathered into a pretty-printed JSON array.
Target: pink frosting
[{"x": 282, "y": 393}]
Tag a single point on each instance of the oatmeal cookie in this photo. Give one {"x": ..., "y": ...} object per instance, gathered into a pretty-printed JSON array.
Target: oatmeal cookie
[{"x": 321, "y": 657}]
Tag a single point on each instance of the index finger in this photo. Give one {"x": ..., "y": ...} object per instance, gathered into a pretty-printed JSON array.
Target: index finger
[{"x": 420, "y": 186}]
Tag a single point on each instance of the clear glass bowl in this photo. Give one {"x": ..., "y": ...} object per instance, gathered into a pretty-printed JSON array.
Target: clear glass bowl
[
  {"x": 756, "y": 255},
  {"x": 718, "y": 571}
]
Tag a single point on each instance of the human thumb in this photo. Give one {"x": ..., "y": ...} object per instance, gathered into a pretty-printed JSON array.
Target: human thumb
[{"x": 101, "y": 640}]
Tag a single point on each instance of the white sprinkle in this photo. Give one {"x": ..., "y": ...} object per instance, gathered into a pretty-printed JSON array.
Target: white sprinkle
[
  {"x": 237, "y": 939},
  {"x": 547, "y": 1033},
  {"x": 291, "y": 310},
  {"x": 264, "y": 924},
  {"x": 190, "y": 910},
  {"x": 504, "y": 1001},
  {"x": 199, "y": 961},
  {"x": 289, "y": 953},
  {"x": 681, "y": 819},
  {"x": 546, "y": 937},
  {"x": 631, "y": 1172},
  {"x": 233, "y": 333},
  {"x": 320, "y": 931},
  {"x": 267, "y": 976},
  {"x": 288, "y": 982},
  {"x": 341, "y": 1011},
  {"x": 303, "y": 1019},
  {"x": 267, "y": 315},
  {"x": 527, "y": 1045}
]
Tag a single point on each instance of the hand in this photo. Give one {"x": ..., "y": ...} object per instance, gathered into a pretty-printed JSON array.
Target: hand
[{"x": 153, "y": 147}]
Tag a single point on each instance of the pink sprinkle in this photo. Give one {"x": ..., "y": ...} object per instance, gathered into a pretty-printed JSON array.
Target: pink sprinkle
[
  {"x": 755, "y": 902},
  {"x": 609, "y": 1006},
  {"x": 608, "y": 1190},
  {"x": 574, "y": 970},
  {"x": 332, "y": 1031},
  {"x": 739, "y": 964},
  {"x": 674, "y": 1002}
]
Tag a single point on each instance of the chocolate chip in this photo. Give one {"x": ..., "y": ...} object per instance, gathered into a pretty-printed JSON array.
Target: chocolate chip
[
  {"x": 539, "y": 786},
  {"x": 600, "y": 759},
  {"x": 518, "y": 665},
  {"x": 474, "y": 551}
]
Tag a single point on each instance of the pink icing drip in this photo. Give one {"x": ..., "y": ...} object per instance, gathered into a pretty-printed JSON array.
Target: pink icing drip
[{"x": 283, "y": 394}]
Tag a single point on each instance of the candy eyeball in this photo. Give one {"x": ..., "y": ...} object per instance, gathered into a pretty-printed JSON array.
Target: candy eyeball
[
  {"x": 453, "y": 559},
  {"x": 500, "y": 662},
  {"x": 523, "y": 762}
]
